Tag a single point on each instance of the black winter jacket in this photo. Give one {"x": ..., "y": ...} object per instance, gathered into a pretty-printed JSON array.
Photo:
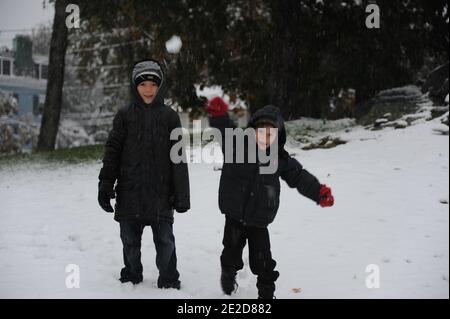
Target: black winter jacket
[
  {"x": 253, "y": 198},
  {"x": 137, "y": 155}
]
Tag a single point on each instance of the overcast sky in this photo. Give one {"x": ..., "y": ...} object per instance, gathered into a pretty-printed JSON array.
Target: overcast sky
[{"x": 22, "y": 14}]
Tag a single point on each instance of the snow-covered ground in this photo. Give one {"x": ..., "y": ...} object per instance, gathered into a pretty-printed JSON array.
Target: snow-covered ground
[{"x": 389, "y": 188}]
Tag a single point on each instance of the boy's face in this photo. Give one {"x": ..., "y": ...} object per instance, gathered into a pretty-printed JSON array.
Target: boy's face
[
  {"x": 265, "y": 136},
  {"x": 147, "y": 90}
]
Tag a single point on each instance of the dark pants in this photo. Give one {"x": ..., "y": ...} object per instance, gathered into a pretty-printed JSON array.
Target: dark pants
[
  {"x": 166, "y": 259},
  {"x": 261, "y": 262}
]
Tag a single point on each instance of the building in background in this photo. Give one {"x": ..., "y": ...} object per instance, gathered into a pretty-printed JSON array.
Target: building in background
[{"x": 24, "y": 74}]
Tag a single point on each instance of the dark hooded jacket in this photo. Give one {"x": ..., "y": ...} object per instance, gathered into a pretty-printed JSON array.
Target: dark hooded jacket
[
  {"x": 253, "y": 198},
  {"x": 137, "y": 155}
]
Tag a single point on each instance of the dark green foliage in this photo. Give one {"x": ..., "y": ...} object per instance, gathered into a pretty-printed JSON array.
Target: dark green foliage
[
  {"x": 23, "y": 64},
  {"x": 295, "y": 54}
]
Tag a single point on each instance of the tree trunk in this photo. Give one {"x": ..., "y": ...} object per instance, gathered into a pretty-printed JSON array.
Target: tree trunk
[{"x": 55, "y": 82}]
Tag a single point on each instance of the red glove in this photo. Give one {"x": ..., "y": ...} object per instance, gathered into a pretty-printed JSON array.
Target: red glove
[{"x": 326, "y": 199}]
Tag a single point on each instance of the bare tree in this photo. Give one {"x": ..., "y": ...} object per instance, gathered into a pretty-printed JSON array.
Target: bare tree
[{"x": 53, "y": 96}]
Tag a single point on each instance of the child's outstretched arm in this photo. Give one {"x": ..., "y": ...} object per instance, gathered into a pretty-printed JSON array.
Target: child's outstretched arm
[{"x": 307, "y": 184}]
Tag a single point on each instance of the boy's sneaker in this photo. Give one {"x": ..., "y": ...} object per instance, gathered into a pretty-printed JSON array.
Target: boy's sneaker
[
  {"x": 172, "y": 285},
  {"x": 266, "y": 285},
  {"x": 228, "y": 282},
  {"x": 125, "y": 276}
]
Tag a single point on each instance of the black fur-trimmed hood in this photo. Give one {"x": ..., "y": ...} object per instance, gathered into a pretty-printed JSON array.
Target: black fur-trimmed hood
[{"x": 273, "y": 115}]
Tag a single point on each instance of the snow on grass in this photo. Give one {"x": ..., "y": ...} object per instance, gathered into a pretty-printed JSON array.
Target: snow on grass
[
  {"x": 309, "y": 125},
  {"x": 391, "y": 188}
]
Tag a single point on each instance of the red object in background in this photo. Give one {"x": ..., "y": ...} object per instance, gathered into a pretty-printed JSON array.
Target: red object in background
[
  {"x": 217, "y": 107},
  {"x": 326, "y": 198}
]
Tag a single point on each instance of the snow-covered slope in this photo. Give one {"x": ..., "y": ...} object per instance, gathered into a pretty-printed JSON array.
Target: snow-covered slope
[{"x": 390, "y": 188}]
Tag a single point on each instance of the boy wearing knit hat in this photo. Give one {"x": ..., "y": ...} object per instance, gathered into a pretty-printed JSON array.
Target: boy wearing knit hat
[{"x": 149, "y": 185}]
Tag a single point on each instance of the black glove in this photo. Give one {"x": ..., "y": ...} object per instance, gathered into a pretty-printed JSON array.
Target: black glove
[
  {"x": 105, "y": 193},
  {"x": 181, "y": 204}
]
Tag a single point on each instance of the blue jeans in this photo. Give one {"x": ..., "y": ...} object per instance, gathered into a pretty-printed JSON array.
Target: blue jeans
[{"x": 166, "y": 259}]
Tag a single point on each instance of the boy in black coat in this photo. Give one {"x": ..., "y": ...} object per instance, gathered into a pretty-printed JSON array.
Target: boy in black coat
[
  {"x": 149, "y": 185},
  {"x": 250, "y": 200}
]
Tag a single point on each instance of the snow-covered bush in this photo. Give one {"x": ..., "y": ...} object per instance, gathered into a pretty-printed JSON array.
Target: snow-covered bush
[
  {"x": 396, "y": 101},
  {"x": 311, "y": 127},
  {"x": 8, "y": 104},
  {"x": 16, "y": 135},
  {"x": 72, "y": 134}
]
